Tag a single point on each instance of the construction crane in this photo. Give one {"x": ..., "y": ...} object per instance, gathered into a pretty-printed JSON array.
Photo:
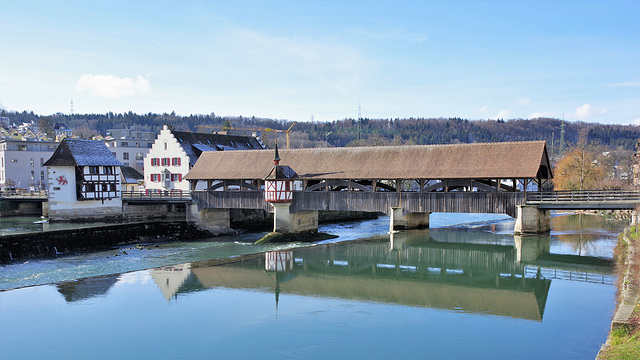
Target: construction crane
[{"x": 263, "y": 130}]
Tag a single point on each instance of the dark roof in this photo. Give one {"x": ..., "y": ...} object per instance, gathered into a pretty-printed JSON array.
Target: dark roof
[
  {"x": 194, "y": 144},
  {"x": 60, "y": 126},
  {"x": 507, "y": 160},
  {"x": 77, "y": 152},
  {"x": 131, "y": 175}
]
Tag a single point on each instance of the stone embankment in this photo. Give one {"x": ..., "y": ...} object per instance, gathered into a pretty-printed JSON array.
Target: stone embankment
[{"x": 53, "y": 243}]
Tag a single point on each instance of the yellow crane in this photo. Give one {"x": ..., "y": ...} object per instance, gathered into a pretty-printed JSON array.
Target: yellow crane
[{"x": 263, "y": 130}]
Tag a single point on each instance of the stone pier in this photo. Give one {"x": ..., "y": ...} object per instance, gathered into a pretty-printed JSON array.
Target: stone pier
[
  {"x": 216, "y": 221},
  {"x": 286, "y": 222},
  {"x": 403, "y": 219},
  {"x": 531, "y": 220}
]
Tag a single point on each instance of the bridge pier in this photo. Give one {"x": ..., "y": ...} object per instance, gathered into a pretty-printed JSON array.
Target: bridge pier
[
  {"x": 531, "y": 220},
  {"x": 403, "y": 219},
  {"x": 286, "y": 222},
  {"x": 216, "y": 221}
]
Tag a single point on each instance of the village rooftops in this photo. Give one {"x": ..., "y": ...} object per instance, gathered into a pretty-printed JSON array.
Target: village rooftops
[
  {"x": 507, "y": 160},
  {"x": 77, "y": 152},
  {"x": 194, "y": 144}
]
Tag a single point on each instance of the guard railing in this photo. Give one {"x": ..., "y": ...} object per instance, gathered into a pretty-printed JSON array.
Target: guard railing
[{"x": 584, "y": 195}]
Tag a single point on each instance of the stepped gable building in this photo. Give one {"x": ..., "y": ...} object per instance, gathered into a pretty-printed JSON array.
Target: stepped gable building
[
  {"x": 84, "y": 181},
  {"x": 174, "y": 153}
]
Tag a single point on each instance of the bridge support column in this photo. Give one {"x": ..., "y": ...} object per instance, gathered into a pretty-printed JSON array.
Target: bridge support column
[
  {"x": 531, "y": 220},
  {"x": 286, "y": 222},
  {"x": 216, "y": 221},
  {"x": 529, "y": 248},
  {"x": 402, "y": 219}
]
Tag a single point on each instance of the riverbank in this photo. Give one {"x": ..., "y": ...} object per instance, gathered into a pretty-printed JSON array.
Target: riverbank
[{"x": 624, "y": 337}]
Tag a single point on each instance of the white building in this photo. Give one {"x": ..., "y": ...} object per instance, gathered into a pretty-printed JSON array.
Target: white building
[
  {"x": 131, "y": 145},
  {"x": 174, "y": 153},
  {"x": 21, "y": 163},
  {"x": 130, "y": 152},
  {"x": 84, "y": 181}
]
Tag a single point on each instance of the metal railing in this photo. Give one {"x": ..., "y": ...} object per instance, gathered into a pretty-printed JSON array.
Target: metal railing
[
  {"x": 42, "y": 194},
  {"x": 154, "y": 194},
  {"x": 584, "y": 196}
]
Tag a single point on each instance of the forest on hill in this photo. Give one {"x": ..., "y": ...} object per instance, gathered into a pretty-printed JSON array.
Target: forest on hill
[
  {"x": 610, "y": 146},
  {"x": 364, "y": 132}
]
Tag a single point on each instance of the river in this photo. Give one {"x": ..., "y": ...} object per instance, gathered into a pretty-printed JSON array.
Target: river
[{"x": 454, "y": 291}]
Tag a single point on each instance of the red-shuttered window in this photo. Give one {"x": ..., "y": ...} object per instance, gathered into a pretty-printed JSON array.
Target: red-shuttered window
[
  {"x": 176, "y": 177},
  {"x": 175, "y": 161},
  {"x": 155, "y": 177},
  {"x": 165, "y": 162},
  {"x": 155, "y": 162}
]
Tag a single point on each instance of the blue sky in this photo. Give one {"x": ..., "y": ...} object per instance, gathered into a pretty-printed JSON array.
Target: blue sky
[{"x": 294, "y": 60}]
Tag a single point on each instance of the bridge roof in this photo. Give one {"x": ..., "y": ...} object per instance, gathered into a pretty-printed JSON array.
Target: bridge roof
[{"x": 505, "y": 160}]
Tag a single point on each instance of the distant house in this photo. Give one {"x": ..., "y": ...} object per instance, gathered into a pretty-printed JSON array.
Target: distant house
[
  {"x": 131, "y": 179},
  {"x": 84, "y": 181},
  {"x": 130, "y": 145},
  {"x": 174, "y": 153},
  {"x": 62, "y": 131}
]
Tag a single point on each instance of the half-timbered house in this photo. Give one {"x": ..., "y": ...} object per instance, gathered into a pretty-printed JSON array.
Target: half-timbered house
[{"x": 84, "y": 181}]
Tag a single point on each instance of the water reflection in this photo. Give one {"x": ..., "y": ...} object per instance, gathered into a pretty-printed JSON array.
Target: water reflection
[
  {"x": 83, "y": 289},
  {"x": 171, "y": 278},
  {"x": 425, "y": 273}
]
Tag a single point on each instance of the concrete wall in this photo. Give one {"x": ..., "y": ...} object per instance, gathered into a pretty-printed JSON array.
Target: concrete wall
[
  {"x": 154, "y": 211},
  {"x": 216, "y": 221}
]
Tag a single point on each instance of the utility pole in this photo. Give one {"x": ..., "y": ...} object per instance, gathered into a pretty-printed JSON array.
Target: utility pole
[{"x": 359, "y": 117}]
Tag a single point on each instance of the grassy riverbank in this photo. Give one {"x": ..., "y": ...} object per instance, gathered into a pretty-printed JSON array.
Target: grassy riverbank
[{"x": 624, "y": 340}]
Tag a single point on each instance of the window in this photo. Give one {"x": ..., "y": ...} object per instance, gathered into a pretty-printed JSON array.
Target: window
[
  {"x": 155, "y": 162},
  {"x": 14, "y": 160},
  {"x": 165, "y": 146},
  {"x": 124, "y": 144},
  {"x": 125, "y": 156},
  {"x": 41, "y": 175},
  {"x": 90, "y": 188},
  {"x": 41, "y": 161},
  {"x": 176, "y": 177},
  {"x": 155, "y": 177},
  {"x": 33, "y": 175},
  {"x": 107, "y": 169},
  {"x": 175, "y": 161},
  {"x": 22, "y": 147},
  {"x": 165, "y": 161},
  {"x": 139, "y": 156},
  {"x": 94, "y": 170}
]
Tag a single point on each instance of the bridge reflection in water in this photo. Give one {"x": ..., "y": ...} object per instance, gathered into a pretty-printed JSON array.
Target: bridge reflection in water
[
  {"x": 414, "y": 268},
  {"x": 455, "y": 269}
]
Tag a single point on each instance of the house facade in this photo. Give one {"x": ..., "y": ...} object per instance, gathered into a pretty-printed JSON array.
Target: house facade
[
  {"x": 22, "y": 163},
  {"x": 84, "y": 181},
  {"x": 174, "y": 153}
]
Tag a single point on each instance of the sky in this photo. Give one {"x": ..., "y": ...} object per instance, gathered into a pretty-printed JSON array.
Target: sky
[{"x": 324, "y": 60}]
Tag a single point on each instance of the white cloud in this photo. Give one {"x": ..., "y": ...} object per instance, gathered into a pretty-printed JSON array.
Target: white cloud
[
  {"x": 586, "y": 111},
  {"x": 483, "y": 109},
  {"x": 636, "y": 121},
  {"x": 110, "y": 86},
  {"x": 544, "y": 114},
  {"x": 503, "y": 114},
  {"x": 524, "y": 101}
]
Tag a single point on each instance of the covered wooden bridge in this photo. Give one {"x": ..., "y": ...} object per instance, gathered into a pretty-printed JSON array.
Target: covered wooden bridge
[{"x": 406, "y": 182}]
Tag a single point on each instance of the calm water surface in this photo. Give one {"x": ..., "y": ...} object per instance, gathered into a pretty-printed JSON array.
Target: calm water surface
[{"x": 456, "y": 292}]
